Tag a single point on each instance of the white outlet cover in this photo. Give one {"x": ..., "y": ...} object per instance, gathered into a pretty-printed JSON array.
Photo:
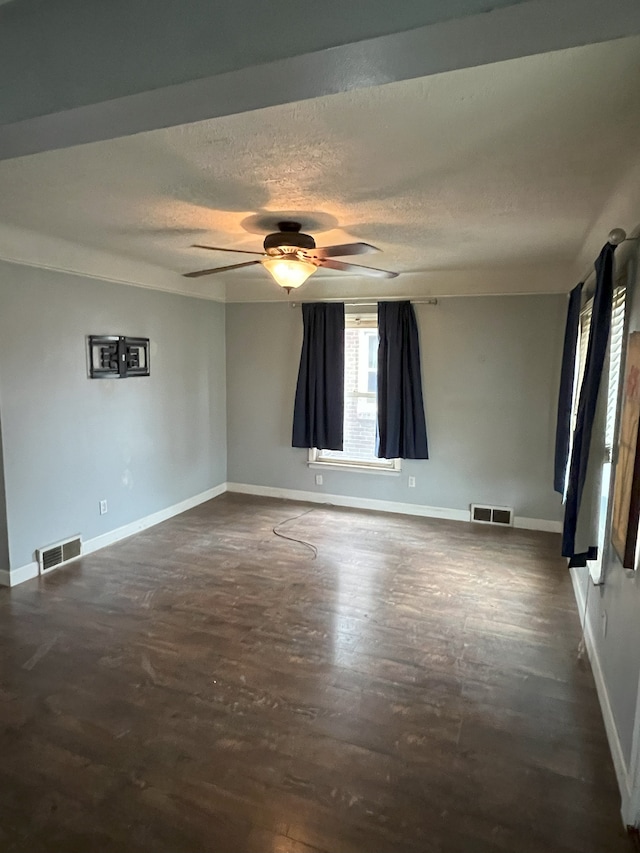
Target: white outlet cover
[
  {"x": 318, "y": 479},
  {"x": 412, "y": 482}
]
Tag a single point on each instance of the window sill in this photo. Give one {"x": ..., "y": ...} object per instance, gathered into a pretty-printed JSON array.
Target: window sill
[{"x": 360, "y": 469}]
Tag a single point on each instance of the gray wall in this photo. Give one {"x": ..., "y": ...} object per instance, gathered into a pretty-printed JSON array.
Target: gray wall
[
  {"x": 143, "y": 444},
  {"x": 4, "y": 533},
  {"x": 490, "y": 374},
  {"x": 619, "y": 598}
]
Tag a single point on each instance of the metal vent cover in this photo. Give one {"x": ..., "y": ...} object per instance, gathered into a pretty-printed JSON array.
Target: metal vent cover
[
  {"x": 481, "y": 513},
  {"x": 52, "y": 556},
  {"x": 487, "y": 514}
]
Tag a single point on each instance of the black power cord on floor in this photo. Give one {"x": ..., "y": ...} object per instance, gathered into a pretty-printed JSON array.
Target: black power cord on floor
[{"x": 308, "y": 545}]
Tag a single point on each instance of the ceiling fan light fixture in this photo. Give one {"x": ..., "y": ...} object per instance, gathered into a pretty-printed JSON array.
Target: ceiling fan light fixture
[{"x": 289, "y": 272}]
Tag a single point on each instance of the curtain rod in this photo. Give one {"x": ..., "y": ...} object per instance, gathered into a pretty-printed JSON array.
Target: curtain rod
[
  {"x": 616, "y": 237},
  {"x": 369, "y": 304}
]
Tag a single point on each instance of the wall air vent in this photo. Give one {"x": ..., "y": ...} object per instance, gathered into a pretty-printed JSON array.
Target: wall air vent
[
  {"x": 486, "y": 514},
  {"x": 52, "y": 556}
]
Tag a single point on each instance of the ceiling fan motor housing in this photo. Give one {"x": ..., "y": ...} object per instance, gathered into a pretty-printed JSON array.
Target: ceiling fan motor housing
[
  {"x": 288, "y": 238},
  {"x": 292, "y": 256}
]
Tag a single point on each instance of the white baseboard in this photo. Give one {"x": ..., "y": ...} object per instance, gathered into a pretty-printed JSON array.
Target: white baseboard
[
  {"x": 30, "y": 571},
  {"x": 382, "y": 506},
  {"x": 24, "y": 573},
  {"x": 543, "y": 524},
  {"x": 345, "y": 500},
  {"x": 619, "y": 763},
  {"x": 127, "y": 530}
]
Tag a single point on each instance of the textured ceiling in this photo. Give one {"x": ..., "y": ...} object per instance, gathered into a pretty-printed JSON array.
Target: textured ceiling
[{"x": 503, "y": 164}]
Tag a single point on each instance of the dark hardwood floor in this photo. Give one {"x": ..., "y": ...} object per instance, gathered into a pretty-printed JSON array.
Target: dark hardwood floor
[{"x": 207, "y": 686}]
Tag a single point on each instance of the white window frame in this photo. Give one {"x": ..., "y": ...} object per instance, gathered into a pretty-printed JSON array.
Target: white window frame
[
  {"x": 377, "y": 466},
  {"x": 382, "y": 466}
]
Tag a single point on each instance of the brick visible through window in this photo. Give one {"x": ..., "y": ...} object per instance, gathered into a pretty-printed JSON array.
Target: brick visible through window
[{"x": 360, "y": 397}]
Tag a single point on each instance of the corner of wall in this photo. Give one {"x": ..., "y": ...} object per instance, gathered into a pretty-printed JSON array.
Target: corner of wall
[
  {"x": 4, "y": 531},
  {"x": 30, "y": 571}
]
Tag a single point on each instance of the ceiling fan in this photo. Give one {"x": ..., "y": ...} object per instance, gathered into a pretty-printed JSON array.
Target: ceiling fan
[{"x": 291, "y": 257}]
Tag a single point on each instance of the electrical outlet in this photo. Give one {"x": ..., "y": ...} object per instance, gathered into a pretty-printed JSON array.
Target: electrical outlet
[
  {"x": 412, "y": 482},
  {"x": 318, "y": 479},
  {"x": 103, "y": 507}
]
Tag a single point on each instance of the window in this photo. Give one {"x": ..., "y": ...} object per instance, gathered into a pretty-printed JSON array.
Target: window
[
  {"x": 614, "y": 362},
  {"x": 611, "y": 374},
  {"x": 360, "y": 400}
]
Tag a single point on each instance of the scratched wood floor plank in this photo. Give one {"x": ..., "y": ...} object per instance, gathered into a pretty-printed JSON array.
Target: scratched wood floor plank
[{"x": 207, "y": 686}]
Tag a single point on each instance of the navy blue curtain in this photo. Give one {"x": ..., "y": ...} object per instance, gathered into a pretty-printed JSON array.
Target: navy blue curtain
[
  {"x": 319, "y": 406},
  {"x": 565, "y": 395},
  {"x": 596, "y": 354},
  {"x": 402, "y": 432}
]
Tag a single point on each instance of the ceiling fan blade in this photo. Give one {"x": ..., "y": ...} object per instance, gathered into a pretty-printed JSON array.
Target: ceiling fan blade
[
  {"x": 342, "y": 250},
  {"x": 219, "y": 249},
  {"x": 357, "y": 269},
  {"x": 198, "y": 273}
]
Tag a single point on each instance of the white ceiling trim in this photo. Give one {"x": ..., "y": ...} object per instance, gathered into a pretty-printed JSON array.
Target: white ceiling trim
[
  {"x": 524, "y": 29},
  {"x": 26, "y": 248},
  {"x": 31, "y": 249},
  {"x": 514, "y": 280}
]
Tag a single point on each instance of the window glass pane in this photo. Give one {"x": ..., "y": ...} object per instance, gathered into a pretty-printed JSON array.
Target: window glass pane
[
  {"x": 372, "y": 361},
  {"x": 373, "y": 352},
  {"x": 360, "y": 400},
  {"x": 366, "y": 347}
]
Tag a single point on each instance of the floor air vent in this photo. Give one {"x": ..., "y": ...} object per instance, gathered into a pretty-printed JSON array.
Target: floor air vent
[
  {"x": 486, "y": 514},
  {"x": 55, "y": 555}
]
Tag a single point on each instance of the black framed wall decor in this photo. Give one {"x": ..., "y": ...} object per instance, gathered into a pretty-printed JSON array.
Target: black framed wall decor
[{"x": 118, "y": 357}]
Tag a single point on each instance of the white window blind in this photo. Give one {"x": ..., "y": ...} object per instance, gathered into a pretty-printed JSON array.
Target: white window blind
[
  {"x": 585, "y": 327},
  {"x": 615, "y": 359},
  {"x": 615, "y": 363},
  {"x": 581, "y": 360}
]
